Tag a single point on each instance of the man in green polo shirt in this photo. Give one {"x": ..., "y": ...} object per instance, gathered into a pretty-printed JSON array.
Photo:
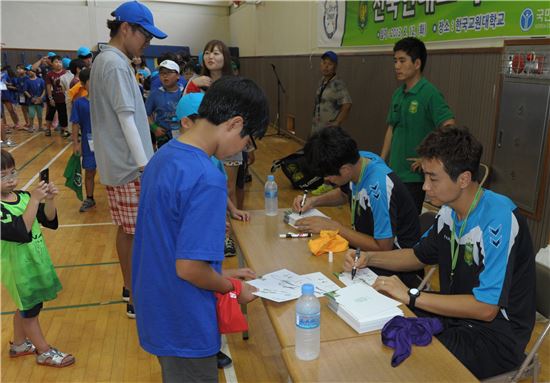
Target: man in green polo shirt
[{"x": 416, "y": 109}]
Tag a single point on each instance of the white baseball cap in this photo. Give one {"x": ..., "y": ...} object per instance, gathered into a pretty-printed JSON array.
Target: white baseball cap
[{"x": 169, "y": 64}]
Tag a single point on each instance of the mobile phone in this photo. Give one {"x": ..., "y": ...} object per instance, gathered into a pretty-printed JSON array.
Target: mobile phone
[{"x": 45, "y": 175}]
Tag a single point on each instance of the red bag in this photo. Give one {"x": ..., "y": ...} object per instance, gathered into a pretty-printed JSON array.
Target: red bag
[{"x": 230, "y": 316}]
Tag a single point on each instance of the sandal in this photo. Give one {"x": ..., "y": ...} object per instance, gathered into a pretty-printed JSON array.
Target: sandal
[
  {"x": 25, "y": 348},
  {"x": 55, "y": 358}
]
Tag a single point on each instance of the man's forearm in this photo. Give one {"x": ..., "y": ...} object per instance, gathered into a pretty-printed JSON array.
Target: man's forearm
[{"x": 387, "y": 143}]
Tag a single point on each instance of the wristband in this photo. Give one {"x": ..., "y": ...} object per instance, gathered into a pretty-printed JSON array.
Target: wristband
[{"x": 153, "y": 126}]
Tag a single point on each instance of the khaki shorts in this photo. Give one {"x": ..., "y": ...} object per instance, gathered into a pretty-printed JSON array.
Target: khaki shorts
[{"x": 123, "y": 204}]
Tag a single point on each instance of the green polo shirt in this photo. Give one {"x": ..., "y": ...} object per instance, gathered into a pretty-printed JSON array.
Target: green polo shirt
[{"x": 413, "y": 115}]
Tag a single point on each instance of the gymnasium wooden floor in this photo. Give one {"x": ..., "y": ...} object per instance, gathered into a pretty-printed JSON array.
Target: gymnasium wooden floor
[{"x": 88, "y": 318}]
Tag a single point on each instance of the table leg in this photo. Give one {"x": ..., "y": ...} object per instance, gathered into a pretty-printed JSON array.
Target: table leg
[{"x": 242, "y": 263}]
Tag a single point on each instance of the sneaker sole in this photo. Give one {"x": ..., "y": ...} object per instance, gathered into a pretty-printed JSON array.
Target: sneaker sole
[
  {"x": 126, "y": 299},
  {"x": 131, "y": 316}
]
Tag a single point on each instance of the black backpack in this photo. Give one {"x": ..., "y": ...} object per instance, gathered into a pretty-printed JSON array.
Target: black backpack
[{"x": 294, "y": 167}]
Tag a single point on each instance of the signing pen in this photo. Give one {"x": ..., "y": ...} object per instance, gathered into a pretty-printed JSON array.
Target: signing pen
[
  {"x": 356, "y": 259},
  {"x": 295, "y": 235},
  {"x": 303, "y": 201}
]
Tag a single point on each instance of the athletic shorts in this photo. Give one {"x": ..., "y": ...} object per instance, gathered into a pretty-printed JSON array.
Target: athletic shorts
[
  {"x": 123, "y": 204},
  {"x": 88, "y": 161}
]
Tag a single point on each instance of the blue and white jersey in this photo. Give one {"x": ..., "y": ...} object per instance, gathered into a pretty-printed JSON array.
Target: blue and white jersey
[
  {"x": 495, "y": 263},
  {"x": 384, "y": 209}
]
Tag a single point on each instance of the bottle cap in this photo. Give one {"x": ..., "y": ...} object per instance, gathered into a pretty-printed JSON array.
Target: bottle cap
[
  {"x": 330, "y": 256},
  {"x": 271, "y": 177},
  {"x": 307, "y": 289}
]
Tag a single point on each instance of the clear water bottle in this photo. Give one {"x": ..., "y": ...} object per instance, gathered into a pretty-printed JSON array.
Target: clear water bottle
[
  {"x": 271, "y": 194},
  {"x": 308, "y": 324}
]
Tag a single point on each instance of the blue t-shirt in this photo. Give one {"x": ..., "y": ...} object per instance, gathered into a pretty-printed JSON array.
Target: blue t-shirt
[
  {"x": 8, "y": 94},
  {"x": 35, "y": 87},
  {"x": 163, "y": 104},
  {"x": 156, "y": 83},
  {"x": 80, "y": 114},
  {"x": 181, "y": 216},
  {"x": 19, "y": 82}
]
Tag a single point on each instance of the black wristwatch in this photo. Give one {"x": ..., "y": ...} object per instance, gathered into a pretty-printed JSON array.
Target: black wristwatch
[{"x": 413, "y": 294}]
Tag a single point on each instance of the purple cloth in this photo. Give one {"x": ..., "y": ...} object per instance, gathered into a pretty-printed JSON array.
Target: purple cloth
[{"x": 401, "y": 333}]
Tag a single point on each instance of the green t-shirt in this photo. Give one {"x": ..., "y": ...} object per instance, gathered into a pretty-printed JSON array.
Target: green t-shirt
[
  {"x": 27, "y": 271},
  {"x": 413, "y": 115}
]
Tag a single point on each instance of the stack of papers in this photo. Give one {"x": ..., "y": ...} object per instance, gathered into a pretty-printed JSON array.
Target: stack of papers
[
  {"x": 362, "y": 307},
  {"x": 284, "y": 285},
  {"x": 291, "y": 218}
]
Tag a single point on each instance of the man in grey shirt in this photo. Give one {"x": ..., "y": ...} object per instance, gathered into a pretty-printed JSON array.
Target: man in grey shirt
[{"x": 122, "y": 141}]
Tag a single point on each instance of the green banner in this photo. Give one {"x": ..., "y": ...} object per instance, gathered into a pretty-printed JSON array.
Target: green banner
[{"x": 385, "y": 22}]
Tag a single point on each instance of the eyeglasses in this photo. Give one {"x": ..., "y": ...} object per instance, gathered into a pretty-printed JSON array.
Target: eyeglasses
[
  {"x": 251, "y": 145},
  {"x": 148, "y": 36},
  {"x": 9, "y": 177}
]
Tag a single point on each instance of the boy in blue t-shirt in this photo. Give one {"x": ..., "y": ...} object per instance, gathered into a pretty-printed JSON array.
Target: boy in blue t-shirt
[
  {"x": 35, "y": 89},
  {"x": 80, "y": 118},
  {"x": 176, "y": 270},
  {"x": 162, "y": 101},
  {"x": 19, "y": 82}
]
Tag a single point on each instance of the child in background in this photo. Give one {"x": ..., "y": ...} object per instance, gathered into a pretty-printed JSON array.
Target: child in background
[
  {"x": 161, "y": 103},
  {"x": 35, "y": 89},
  {"x": 19, "y": 82},
  {"x": 56, "y": 97},
  {"x": 27, "y": 270},
  {"x": 6, "y": 78},
  {"x": 80, "y": 117},
  {"x": 77, "y": 90}
]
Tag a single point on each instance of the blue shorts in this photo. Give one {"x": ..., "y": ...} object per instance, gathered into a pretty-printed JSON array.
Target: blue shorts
[{"x": 88, "y": 161}]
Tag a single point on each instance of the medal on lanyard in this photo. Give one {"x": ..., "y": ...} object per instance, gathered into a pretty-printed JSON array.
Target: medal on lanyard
[
  {"x": 354, "y": 196},
  {"x": 455, "y": 250}
]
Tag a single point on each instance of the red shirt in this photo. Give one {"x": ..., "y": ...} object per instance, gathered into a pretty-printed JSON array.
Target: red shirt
[{"x": 52, "y": 78}]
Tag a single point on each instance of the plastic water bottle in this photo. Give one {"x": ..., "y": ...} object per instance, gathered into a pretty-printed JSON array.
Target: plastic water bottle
[
  {"x": 270, "y": 193},
  {"x": 308, "y": 324}
]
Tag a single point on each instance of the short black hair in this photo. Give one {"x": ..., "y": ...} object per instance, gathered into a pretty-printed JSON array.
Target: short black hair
[
  {"x": 329, "y": 149},
  {"x": 232, "y": 96},
  {"x": 84, "y": 75},
  {"x": 76, "y": 63},
  {"x": 56, "y": 57},
  {"x": 193, "y": 66},
  {"x": 20, "y": 66},
  {"x": 413, "y": 47},
  {"x": 7, "y": 160},
  {"x": 456, "y": 148},
  {"x": 114, "y": 26}
]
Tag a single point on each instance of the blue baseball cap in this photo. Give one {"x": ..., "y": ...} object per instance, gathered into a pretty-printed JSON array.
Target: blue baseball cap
[
  {"x": 188, "y": 105},
  {"x": 28, "y": 67},
  {"x": 144, "y": 73},
  {"x": 66, "y": 62},
  {"x": 83, "y": 52},
  {"x": 51, "y": 54},
  {"x": 137, "y": 13},
  {"x": 331, "y": 56}
]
